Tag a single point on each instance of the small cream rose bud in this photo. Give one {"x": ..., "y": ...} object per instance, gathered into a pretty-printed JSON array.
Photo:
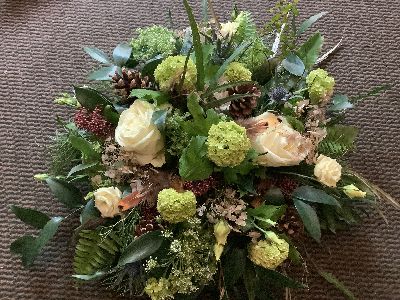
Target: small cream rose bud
[
  {"x": 221, "y": 232},
  {"x": 353, "y": 192},
  {"x": 106, "y": 200},
  {"x": 327, "y": 170}
]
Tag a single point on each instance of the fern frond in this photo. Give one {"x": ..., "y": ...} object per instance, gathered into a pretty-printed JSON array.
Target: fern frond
[
  {"x": 338, "y": 141},
  {"x": 63, "y": 155},
  {"x": 95, "y": 252}
]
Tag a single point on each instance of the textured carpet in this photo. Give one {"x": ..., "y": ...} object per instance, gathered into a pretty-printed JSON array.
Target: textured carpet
[{"x": 41, "y": 54}]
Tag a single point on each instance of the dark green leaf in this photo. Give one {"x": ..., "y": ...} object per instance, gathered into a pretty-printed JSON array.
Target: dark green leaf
[
  {"x": 111, "y": 115},
  {"x": 141, "y": 248},
  {"x": 198, "y": 50},
  {"x": 90, "y": 98},
  {"x": 79, "y": 168},
  {"x": 65, "y": 192},
  {"x": 293, "y": 64},
  {"x": 194, "y": 163},
  {"x": 89, "y": 212},
  {"x": 31, "y": 217},
  {"x": 105, "y": 73},
  {"x": 311, "y": 194},
  {"x": 251, "y": 281},
  {"x": 337, "y": 284},
  {"x": 267, "y": 212},
  {"x": 150, "y": 65},
  {"x": 232, "y": 174},
  {"x": 373, "y": 92},
  {"x": 310, "y": 50},
  {"x": 274, "y": 196},
  {"x": 277, "y": 279},
  {"x": 150, "y": 95},
  {"x": 329, "y": 216},
  {"x": 97, "y": 54},
  {"x": 158, "y": 118},
  {"x": 121, "y": 54},
  {"x": 310, "y": 219},
  {"x": 340, "y": 103},
  {"x": 87, "y": 149},
  {"x": 309, "y": 22},
  {"x": 234, "y": 266},
  {"x": 29, "y": 247}
]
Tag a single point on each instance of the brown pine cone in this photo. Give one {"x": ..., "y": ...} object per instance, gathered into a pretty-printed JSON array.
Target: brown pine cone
[
  {"x": 243, "y": 107},
  {"x": 129, "y": 80},
  {"x": 291, "y": 224}
]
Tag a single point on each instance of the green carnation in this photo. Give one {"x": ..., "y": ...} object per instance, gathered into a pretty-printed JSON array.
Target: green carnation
[
  {"x": 153, "y": 41},
  {"x": 256, "y": 55},
  {"x": 176, "y": 207},
  {"x": 228, "y": 144},
  {"x": 158, "y": 289},
  {"x": 320, "y": 85},
  {"x": 168, "y": 73},
  {"x": 237, "y": 72},
  {"x": 269, "y": 253}
]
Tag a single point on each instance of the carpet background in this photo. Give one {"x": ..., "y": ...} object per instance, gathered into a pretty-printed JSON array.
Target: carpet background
[{"x": 41, "y": 55}]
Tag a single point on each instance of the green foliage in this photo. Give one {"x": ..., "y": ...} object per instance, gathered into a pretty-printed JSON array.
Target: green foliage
[
  {"x": 65, "y": 192},
  {"x": 310, "y": 219},
  {"x": 95, "y": 252},
  {"x": 266, "y": 215},
  {"x": 310, "y": 50},
  {"x": 90, "y": 151},
  {"x": 63, "y": 154},
  {"x": 339, "y": 140},
  {"x": 234, "y": 263},
  {"x": 234, "y": 175},
  {"x": 121, "y": 54},
  {"x": 90, "y": 98},
  {"x": 340, "y": 103},
  {"x": 373, "y": 92},
  {"x": 329, "y": 277},
  {"x": 89, "y": 212},
  {"x": 311, "y": 194},
  {"x": 30, "y": 217},
  {"x": 157, "y": 97},
  {"x": 194, "y": 163},
  {"x": 82, "y": 168},
  {"x": 29, "y": 247},
  {"x": 247, "y": 29},
  {"x": 309, "y": 22},
  {"x": 176, "y": 138}
]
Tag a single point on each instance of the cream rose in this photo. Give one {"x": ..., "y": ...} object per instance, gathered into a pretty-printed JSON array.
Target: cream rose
[
  {"x": 106, "y": 201},
  {"x": 353, "y": 192},
  {"x": 137, "y": 134},
  {"x": 279, "y": 144},
  {"x": 327, "y": 170}
]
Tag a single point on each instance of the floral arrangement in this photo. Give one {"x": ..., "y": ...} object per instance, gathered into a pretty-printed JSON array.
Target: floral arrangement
[{"x": 199, "y": 159}]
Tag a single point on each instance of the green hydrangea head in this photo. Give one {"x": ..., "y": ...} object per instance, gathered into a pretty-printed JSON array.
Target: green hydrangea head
[
  {"x": 168, "y": 73},
  {"x": 228, "y": 144},
  {"x": 320, "y": 85},
  {"x": 256, "y": 55},
  {"x": 158, "y": 289},
  {"x": 176, "y": 207},
  {"x": 153, "y": 41},
  {"x": 237, "y": 72},
  {"x": 269, "y": 254}
]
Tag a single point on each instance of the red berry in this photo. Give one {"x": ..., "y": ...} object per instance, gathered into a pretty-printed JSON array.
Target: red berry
[{"x": 93, "y": 121}]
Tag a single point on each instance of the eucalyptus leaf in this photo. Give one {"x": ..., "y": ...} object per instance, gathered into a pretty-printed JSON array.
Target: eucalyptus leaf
[
  {"x": 29, "y": 247},
  {"x": 293, "y": 64},
  {"x": 65, "y": 192},
  {"x": 311, "y": 194},
  {"x": 150, "y": 65},
  {"x": 340, "y": 103},
  {"x": 81, "y": 167},
  {"x": 90, "y": 98},
  {"x": 194, "y": 163},
  {"x": 103, "y": 74},
  {"x": 30, "y": 217},
  {"x": 310, "y": 219},
  {"x": 121, "y": 54},
  {"x": 309, "y": 22},
  {"x": 141, "y": 248},
  {"x": 310, "y": 50},
  {"x": 158, "y": 118},
  {"x": 198, "y": 50},
  {"x": 97, "y": 54},
  {"x": 89, "y": 212}
]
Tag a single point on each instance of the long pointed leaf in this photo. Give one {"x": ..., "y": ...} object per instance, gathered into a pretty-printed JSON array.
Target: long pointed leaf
[
  {"x": 337, "y": 284},
  {"x": 309, "y": 22},
  {"x": 31, "y": 217},
  {"x": 310, "y": 219},
  {"x": 66, "y": 193},
  {"x": 97, "y": 54}
]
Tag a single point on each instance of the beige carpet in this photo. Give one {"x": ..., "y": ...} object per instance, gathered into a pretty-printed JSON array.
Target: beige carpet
[{"x": 41, "y": 54}]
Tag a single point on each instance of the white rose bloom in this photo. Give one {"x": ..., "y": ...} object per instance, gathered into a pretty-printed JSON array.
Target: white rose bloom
[
  {"x": 228, "y": 29},
  {"x": 137, "y": 134},
  {"x": 106, "y": 201},
  {"x": 282, "y": 145},
  {"x": 327, "y": 170}
]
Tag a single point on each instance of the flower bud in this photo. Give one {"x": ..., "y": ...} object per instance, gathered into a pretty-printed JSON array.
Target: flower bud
[
  {"x": 221, "y": 232},
  {"x": 327, "y": 170},
  {"x": 218, "y": 249},
  {"x": 353, "y": 192}
]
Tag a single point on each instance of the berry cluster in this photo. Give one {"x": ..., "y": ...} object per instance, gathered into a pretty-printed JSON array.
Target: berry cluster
[
  {"x": 93, "y": 121},
  {"x": 200, "y": 187}
]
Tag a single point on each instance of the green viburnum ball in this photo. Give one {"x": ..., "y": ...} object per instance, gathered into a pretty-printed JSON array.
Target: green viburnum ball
[
  {"x": 153, "y": 41},
  {"x": 168, "y": 73},
  {"x": 269, "y": 254},
  {"x": 228, "y": 144},
  {"x": 176, "y": 207},
  {"x": 237, "y": 72},
  {"x": 320, "y": 85}
]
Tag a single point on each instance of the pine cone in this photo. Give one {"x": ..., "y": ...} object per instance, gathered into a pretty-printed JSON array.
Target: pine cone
[
  {"x": 147, "y": 221},
  {"x": 129, "y": 80},
  {"x": 291, "y": 224},
  {"x": 243, "y": 107}
]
